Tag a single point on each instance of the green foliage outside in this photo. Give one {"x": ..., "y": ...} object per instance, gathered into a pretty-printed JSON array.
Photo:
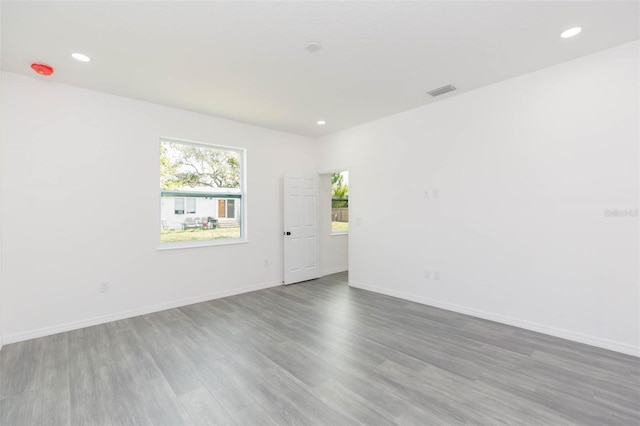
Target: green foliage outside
[
  {"x": 199, "y": 234},
  {"x": 339, "y": 189},
  {"x": 190, "y": 166},
  {"x": 339, "y": 226},
  {"x": 339, "y": 202}
]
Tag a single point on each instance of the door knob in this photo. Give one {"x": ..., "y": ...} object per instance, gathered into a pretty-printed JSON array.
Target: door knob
[{"x": 287, "y": 233}]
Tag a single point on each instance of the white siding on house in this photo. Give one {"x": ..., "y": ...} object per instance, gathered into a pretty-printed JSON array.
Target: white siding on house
[{"x": 205, "y": 207}]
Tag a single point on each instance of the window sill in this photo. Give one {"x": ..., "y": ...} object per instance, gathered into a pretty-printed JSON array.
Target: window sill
[
  {"x": 339, "y": 233},
  {"x": 199, "y": 244}
]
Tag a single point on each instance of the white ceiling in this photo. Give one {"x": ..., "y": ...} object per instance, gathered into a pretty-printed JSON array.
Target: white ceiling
[{"x": 246, "y": 60}]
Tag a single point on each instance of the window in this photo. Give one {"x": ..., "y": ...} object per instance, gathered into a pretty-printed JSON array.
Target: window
[
  {"x": 340, "y": 202},
  {"x": 178, "y": 204},
  {"x": 201, "y": 193},
  {"x": 191, "y": 205}
]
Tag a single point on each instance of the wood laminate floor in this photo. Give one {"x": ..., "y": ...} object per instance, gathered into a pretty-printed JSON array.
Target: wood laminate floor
[{"x": 313, "y": 353}]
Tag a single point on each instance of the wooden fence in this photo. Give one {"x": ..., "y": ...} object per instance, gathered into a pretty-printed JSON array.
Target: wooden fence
[{"x": 340, "y": 210}]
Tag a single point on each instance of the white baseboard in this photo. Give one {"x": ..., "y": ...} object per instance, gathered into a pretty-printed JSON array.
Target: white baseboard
[
  {"x": 61, "y": 328},
  {"x": 552, "y": 331},
  {"x": 335, "y": 270}
]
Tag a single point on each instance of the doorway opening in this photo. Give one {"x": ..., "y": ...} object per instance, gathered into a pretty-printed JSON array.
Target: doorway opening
[{"x": 334, "y": 221}]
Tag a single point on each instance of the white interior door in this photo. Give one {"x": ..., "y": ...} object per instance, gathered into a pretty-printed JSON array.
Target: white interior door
[{"x": 301, "y": 230}]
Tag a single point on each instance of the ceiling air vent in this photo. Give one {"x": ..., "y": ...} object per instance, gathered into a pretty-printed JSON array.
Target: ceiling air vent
[{"x": 442, "y": 90}]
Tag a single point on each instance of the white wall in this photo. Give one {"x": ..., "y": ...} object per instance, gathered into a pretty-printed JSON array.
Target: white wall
[
  {"x": 73, "y": 159},
  {"x": 334, "y": 248},
  {"x": 525, "y": 170}
]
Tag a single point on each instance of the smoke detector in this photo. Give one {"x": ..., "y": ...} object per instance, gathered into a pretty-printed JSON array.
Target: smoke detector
[
  {"x": 313, "y": 46},
  {"x": 42, "y": 69}
]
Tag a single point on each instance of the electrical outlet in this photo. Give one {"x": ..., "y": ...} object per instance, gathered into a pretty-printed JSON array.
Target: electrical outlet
[
  {"x": 432, "y": 274},
  {"x": 104, "y": 287},
  {"x": 431, "y": 193}
]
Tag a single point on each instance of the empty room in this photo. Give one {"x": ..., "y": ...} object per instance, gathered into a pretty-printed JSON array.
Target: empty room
[{"x": 319, "y": 213}]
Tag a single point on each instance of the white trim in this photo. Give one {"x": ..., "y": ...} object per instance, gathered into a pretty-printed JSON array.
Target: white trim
[
  {"x": 528, "y": 325},
  {"x": 202, "y": 243},
  {"x": 334, "y": 170},
  {"x": 200, "y": 143},
  {"x": 335, "y": 271},
  {"x": 60, "y": 328},
  {"x": 334, "y": 234}
]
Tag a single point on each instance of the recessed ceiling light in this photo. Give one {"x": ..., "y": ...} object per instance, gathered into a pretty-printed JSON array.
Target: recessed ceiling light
[
  {"x": 313, "y": 46},
  {"x": 80, "y": 57},
  {"x": 571, "y": 32},
  {"x": 321, "y": 122}
]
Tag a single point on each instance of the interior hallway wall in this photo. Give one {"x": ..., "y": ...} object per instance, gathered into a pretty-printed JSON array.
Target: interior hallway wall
[{"x": 535, "y": 221}]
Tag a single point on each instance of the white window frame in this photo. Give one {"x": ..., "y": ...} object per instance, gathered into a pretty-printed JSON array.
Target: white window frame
[{"x": 242, "y": 201}]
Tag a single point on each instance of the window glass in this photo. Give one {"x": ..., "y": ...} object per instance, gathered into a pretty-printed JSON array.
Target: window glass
[
  {"x": 340, "y": 202},
  {"x": 201, "y": 192}
]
